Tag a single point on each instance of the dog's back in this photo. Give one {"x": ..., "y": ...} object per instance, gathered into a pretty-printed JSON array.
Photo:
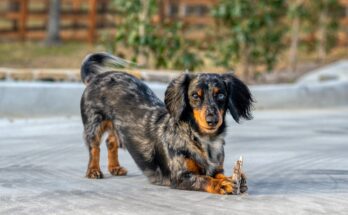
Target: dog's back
[{"x": 120, "y": 104}]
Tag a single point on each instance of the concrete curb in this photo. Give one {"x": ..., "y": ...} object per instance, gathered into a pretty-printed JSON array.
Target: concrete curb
[
  {"x": 73, "y": 75},
  {"x": 337, "y": 71},
  {"x": 35, "y": 99},
  {"x": 301, "y": 96},
  {"x": 39, "y": 99}
]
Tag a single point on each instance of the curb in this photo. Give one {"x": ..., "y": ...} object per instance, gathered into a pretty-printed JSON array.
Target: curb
[
  {"x": 37, "y": 99},
  {"x": 337, "y": 71},
  {"x": 73, "y": 75},
  {"x": 304, "y": 96}
]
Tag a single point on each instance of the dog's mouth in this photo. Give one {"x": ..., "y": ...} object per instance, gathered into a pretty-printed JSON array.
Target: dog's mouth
[
  {"x": 207, "y": 124},
  {"x": 210, "y": 129}
]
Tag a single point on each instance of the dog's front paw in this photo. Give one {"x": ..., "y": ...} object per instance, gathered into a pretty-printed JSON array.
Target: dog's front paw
[
  {"x": 94, "y": 174},
  {"x": 223, "y": 187},
  {"x": 227, "y": 187},
  {"x": 118, "y": 171}
]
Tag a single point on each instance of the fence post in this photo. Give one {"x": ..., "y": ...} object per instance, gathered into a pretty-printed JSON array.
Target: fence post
[
  {"x": 92, "y": 20},
  {"x": 23, "y": 19}
]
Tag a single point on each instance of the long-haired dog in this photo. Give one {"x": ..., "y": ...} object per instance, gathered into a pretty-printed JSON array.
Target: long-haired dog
[{"x": 177, "y": 143}]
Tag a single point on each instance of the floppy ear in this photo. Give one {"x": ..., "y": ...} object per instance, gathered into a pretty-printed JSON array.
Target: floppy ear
[
  {"x": 175, "y": 96},
  {"x": 239, "y": 98}
]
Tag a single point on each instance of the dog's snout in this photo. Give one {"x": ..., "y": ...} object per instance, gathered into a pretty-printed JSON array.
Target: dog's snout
[{"x": 211, "y": 117}]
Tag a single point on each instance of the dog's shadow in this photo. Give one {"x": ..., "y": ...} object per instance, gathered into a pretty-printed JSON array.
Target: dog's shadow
[{"x": 310, "y": 181}]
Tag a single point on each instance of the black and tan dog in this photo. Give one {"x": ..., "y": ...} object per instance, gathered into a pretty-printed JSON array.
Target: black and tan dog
[{"x": 177, "y": 143}]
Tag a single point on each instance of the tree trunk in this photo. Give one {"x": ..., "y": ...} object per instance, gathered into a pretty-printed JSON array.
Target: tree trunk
[
  {"x": 245, "y": 61},
  {"x": 143, "y": 58},
  {"x": 321, "y": 50},
  {"x": 53, "y": 37},
  {"x": 295, "y": 36},
  {"x": 295, "y": 31}
]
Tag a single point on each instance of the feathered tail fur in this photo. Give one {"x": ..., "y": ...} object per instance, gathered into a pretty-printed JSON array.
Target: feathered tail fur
[{"x": 96, "y": 63}]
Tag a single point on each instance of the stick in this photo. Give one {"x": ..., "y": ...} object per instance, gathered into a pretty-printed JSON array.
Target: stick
[{"x": 237, "y": 173}]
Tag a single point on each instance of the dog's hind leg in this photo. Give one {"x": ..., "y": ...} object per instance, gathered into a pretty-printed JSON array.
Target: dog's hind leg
[
  {"x": 93, "y": 135},
  {"x": 112, "y": 144},
  {"x": 93, "y": 169}
]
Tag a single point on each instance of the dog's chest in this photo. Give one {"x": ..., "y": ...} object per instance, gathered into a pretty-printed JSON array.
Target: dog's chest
[{"x": 214, "y": 149}]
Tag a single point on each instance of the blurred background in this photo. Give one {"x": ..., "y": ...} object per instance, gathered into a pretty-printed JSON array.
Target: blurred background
[
  {"x": 292, "y": 53},
  {"x": 274, "y": 41}
]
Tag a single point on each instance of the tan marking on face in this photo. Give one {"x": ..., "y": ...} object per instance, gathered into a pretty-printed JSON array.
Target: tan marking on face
[
  {"x": 200, "y": 93},
  {"x": 199, "y": 115},
  {"x": 200, "y": 118},
  {"x": 216, "y": 90},
  {"x": 220, "y": 114}
]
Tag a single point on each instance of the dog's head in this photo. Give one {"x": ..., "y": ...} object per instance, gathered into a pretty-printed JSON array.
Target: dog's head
[{"x": 204, "y": 99}]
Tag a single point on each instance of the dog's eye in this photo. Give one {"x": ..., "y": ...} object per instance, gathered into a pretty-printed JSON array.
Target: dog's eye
[
  {"x": 220, "y": 96},
  {"x": 195, "y": 96}
]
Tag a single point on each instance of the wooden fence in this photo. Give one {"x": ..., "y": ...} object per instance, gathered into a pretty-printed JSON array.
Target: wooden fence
[
  {"x": 80, "y": 19},
  {"x": 85, "y": 19}
]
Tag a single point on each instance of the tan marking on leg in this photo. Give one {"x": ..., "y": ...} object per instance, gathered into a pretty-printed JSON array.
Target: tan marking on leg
[
  {"x": 93, "y": 166},
  {"x": 221, "y": 176},
  {"x": 219, "y": 186},
  {"x": 93, "y": 170},
  {"x": 192, "y": 166},
  {"x": 113, "y": 163}
]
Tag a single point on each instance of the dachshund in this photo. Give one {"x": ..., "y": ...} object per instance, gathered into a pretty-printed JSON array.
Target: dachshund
[{"x": 178, "y": 142}]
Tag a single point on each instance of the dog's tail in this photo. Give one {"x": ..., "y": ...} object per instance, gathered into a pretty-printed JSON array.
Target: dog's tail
[{"x": 96, "y": 63}]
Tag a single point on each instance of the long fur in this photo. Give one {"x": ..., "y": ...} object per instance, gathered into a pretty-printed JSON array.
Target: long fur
[
  {"x": 176, "y": 97},
  {"x": 171, "y": 142},
  {"x": 239, "y": 99},
  {"x": 94, "y": 64}
]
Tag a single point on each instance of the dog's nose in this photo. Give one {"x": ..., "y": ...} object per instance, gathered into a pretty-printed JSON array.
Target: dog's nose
[{"x": 211, "y": 119}]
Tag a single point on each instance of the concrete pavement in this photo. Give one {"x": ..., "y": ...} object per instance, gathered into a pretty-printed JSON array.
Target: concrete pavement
[{"x": 296, "y": 163}]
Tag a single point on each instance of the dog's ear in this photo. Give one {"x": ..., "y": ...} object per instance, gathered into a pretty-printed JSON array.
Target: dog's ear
[
  {"x": 239, "y": 98},
  {"x": 175, "y": 96}
]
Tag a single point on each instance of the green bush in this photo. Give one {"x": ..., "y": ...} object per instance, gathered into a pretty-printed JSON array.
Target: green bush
[
  {"x": 147, "y": 40},
  {"x": 253, "y": 33}
]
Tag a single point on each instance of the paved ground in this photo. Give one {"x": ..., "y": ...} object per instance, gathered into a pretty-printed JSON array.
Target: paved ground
[{"x": 297, "y": 163}]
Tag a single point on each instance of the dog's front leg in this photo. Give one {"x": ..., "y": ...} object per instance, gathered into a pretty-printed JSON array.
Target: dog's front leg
[
  {"x": 238, "y": 177},
  {"x": 188, "y": 174},
  {"x": 204, "y": 183}
]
